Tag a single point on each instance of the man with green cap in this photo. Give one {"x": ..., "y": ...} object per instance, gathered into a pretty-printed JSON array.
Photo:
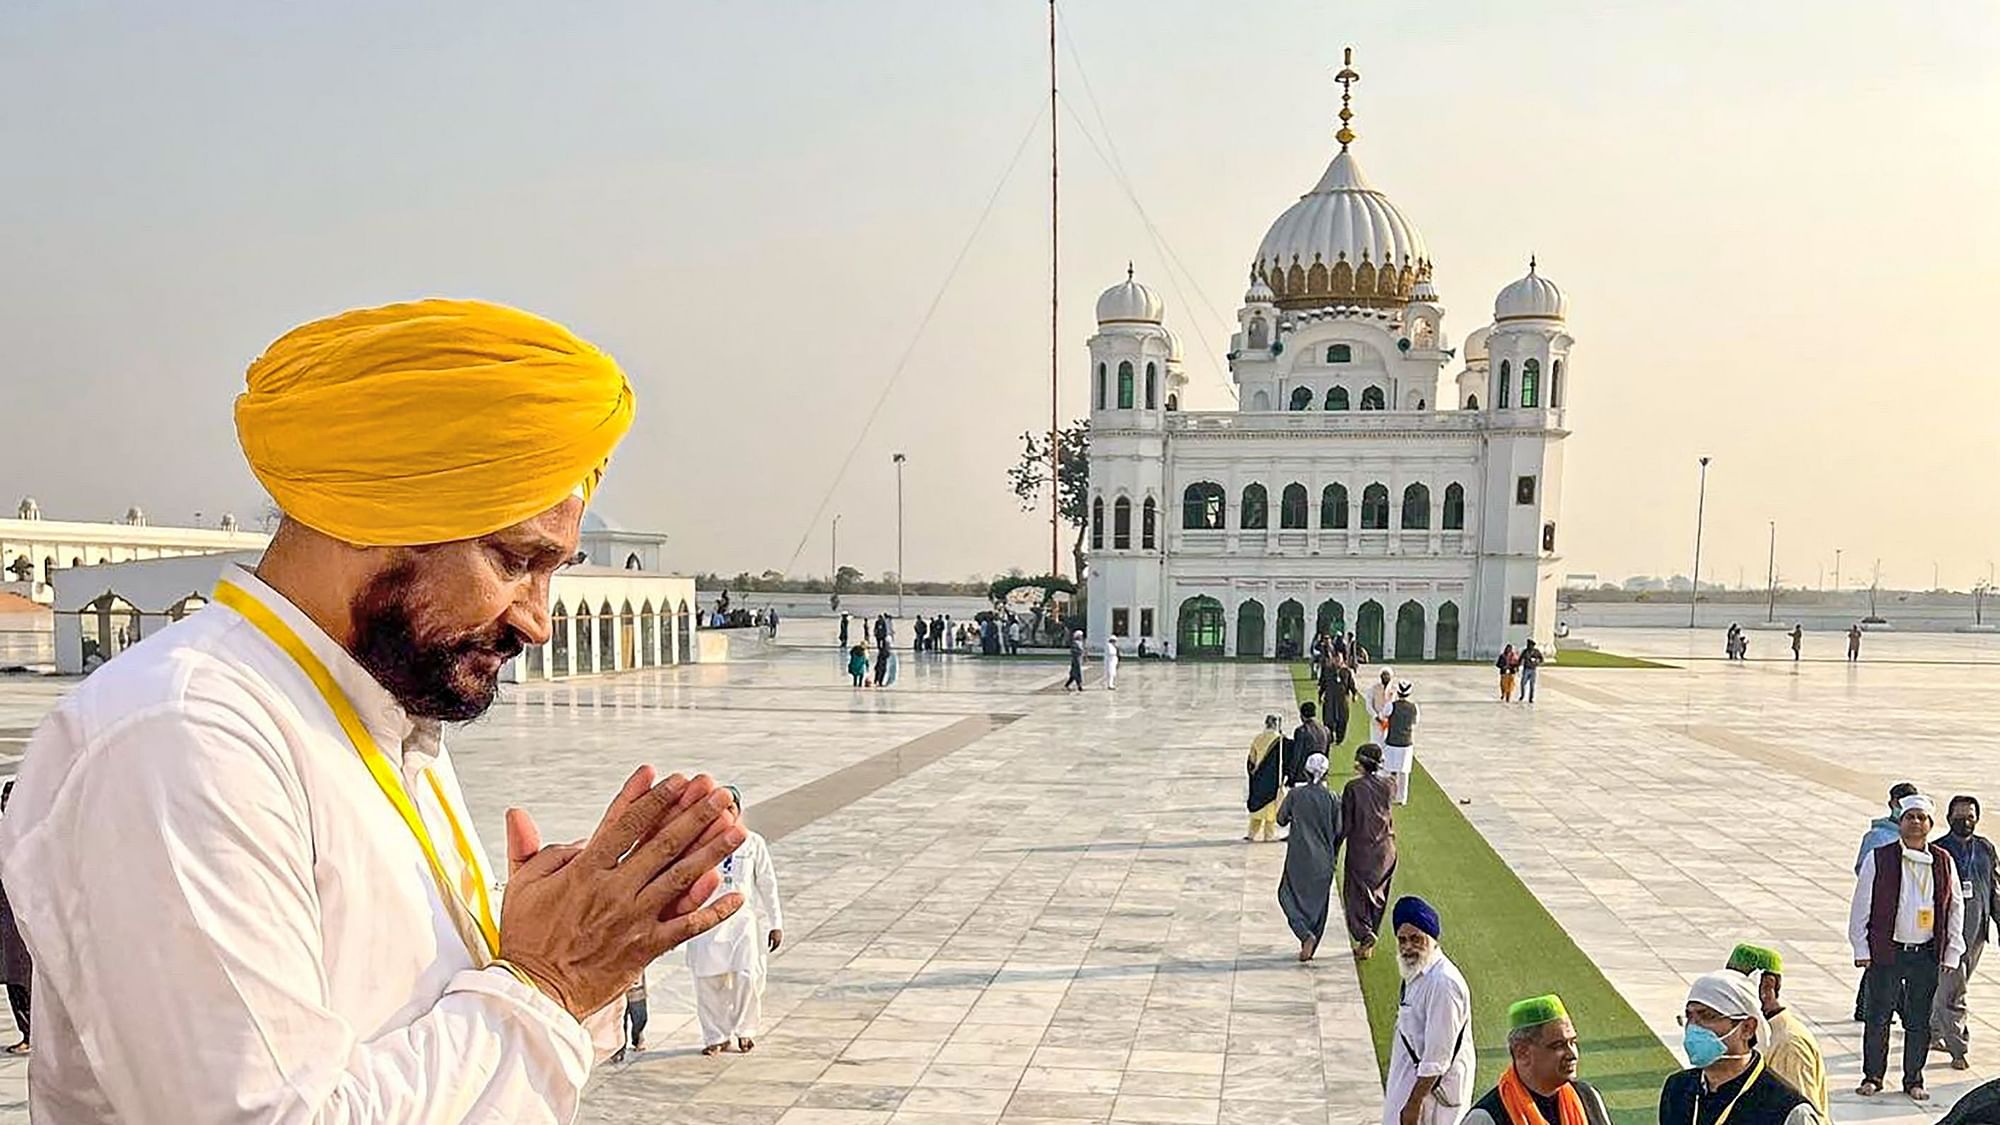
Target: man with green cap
[
  {"x": 1540, "y": 1087},
  {"x": 1793, "y": 1053}
]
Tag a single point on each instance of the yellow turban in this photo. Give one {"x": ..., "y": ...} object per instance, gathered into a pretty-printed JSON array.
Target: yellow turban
[{"x": 429, "y": 421}]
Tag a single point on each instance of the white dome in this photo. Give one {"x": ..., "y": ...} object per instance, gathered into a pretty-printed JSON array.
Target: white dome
[
  {"x": 1342, "y": 220},
  {"x": 1259, "y": 293},
  {"x": 1533, "y": 297},
  {"x": 1475, "y": 345},
  {"x": 1129, "y": 302},
  {"x": 1173, "y": 345}
]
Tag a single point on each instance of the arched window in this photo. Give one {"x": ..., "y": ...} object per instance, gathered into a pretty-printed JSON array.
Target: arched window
[
  {"x": 1173, "y": 402},
  {"x": 1291, "y": 628},
  {"x": 1472, "y": 402},
  {"x": 1556, "y": 386},
  {"x": 1097, "y": 523},
  {"x": 628, "y": 637},
  {"x": 1506, "y": 385},
  {"x": 1125, "y": 385},
  {"x": 1375, "y": 508},
  {"x": 1292, "y": 507},
  {"x": 1121, "y": 524},
  {"x": 1454, "y": 507},
  {"x": 586, "y": 648},
  {"x": 649, "y": 644},
  {"x": 1203, "y": 507},
  {"x": 1416, "y": 507},
  {"x": 49, "y": 569},
  {"x": 1258, "y": 402},
  {"x": 607, "y": 638},
  {"x": 1371, "y": 399},
  {"x": 1531, "y": 383},
  {"x": 1100, "y": 386},
  {"x": 1336, "y": 398},
  {"x": 1259, "y": 335},
  {"x": 1199, "y": 629},
  {"x": 1302, "y": 398},
  {"x": 632, "y": 562},
  {"x": 1152, "y": 387},
  {"x": 1149, "y": 518},
  {"x": 1256, "y": 508},
  {"x": 1368, "y": 626},
  {"x": 1330, "y": 618},
  {"x": 1339, "y": 353},
  {"x": 1333, "y": 507}
]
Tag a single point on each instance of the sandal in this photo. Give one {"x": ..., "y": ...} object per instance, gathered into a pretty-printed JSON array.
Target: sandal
[
  {"x": 1917, "y": 1093},
  {"x": 1869, "y": 1088}
]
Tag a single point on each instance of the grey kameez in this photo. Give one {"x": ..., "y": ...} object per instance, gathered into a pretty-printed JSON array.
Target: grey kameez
[{"x": 1307, "y": 885}]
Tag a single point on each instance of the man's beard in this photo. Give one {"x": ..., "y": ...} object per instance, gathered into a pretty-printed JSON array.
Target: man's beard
[
  {"x": 1411, "y": 970},
  {"x": 432, "y": 677}
]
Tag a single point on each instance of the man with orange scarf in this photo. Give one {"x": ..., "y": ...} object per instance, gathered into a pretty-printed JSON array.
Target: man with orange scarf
[{"x": 1541, "y": 1086}]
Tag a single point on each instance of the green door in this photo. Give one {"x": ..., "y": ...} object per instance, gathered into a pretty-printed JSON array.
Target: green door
[
  {"x": 1410, "y": 631},
  {"x": 1250, "y": 628},
  {"x": 1368, "y": 627}
]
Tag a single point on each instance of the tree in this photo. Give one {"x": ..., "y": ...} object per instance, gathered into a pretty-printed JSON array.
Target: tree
[
  {"x": 1030, "y": 478},
  {"x": 845, "y": 579}
]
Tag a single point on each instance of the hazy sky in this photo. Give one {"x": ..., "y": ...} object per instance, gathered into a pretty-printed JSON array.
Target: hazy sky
[{"x": 1777, "y": 224}]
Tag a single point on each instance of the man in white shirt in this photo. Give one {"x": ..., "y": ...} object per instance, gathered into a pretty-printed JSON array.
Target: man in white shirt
[
  {"x": 1907, "y": 921},
  {"x": 728, "y": 961},
  {"x": 239, "y": 851},
  {"x": 1111, "y": 663},
  {"x": 1432, "y": 1056}
]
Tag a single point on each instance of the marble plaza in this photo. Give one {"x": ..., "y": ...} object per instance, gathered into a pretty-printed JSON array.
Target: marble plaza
[{"x": 1008, "y": 905}]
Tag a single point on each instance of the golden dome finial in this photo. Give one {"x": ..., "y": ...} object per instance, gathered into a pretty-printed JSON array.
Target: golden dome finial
[{"x": 1347, "y": 77}]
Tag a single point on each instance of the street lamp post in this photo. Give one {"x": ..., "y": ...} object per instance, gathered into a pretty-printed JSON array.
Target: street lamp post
[
  {"x": 1700, "y": 509},
  {"x": 833, "y": 563},
  {"x": 899, "y": 459}
]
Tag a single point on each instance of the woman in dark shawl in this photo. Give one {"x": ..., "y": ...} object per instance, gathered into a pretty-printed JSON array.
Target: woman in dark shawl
[
  {"x": 1265, "y": 766},
  {"x": 1307, "y": 884},
  {"x": 1368, "y": 829}
]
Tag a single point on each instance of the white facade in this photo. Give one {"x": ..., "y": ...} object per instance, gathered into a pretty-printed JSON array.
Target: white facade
[
  {"x": 604, "y": 619},
  {"x": 1353, "y": 486},
  {"x": 33, "y": 550}
]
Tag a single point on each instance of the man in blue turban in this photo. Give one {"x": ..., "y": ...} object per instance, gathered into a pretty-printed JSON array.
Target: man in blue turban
[{"x": 1431, "y": 1062}]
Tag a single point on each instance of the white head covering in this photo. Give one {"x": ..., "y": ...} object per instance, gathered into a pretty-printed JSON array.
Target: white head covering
[
  {"x": 1403, "y": 687},
  {"x": 1735, "y": 996},
  {"x": 1316, "y": 767},
  {"x": 1916, "y": 802}
]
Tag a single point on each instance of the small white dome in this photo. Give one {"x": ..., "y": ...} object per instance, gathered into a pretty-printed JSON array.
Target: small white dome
[
  {"x": 1533, "y": 297},
  {"x": 1260, "y": 293},
  {"x": 1424, "y": 291},
  {"x": 29, "y": 509},
  {"x": 1173, "y": 345},
  {"x": 1129, "y": 302},
  {"x": 1475, "y": 345}
]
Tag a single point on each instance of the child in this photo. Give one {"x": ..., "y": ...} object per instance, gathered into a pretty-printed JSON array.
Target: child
[{"x": 857, "y": 665}]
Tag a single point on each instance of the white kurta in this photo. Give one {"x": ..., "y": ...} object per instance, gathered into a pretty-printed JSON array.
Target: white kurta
[
  {"x": 728, "y": 961},
  {"x": 231, "y": 923},
  {"x": 1435, "y": 1012},
  {"x": 1111, "y": 662}
]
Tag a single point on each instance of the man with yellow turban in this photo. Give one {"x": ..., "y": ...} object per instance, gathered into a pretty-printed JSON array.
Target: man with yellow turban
[{"x": 239, "y": 852}]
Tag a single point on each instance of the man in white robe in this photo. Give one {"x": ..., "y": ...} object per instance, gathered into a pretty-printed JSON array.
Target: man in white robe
[
  {"x": 728, "y": 962},
  {"x": 1111, "y": 663},
  {"x": 239, "y": 852},
  {"x": 1431, "y": 1057}
]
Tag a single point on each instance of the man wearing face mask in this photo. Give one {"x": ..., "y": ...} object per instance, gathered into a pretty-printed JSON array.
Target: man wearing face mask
[
  {"x": 1906, "y": 924},
  {"x": 1975, "y": 859},
  {"x": 1794, "y": 1053},
  {"x": 1727, "y": 1078}
]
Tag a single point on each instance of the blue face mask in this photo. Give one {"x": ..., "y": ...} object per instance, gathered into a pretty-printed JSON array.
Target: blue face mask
[{"x": 1704, "y": 1047}]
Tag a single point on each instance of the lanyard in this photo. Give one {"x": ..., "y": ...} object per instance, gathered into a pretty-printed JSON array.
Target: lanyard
[
  {"x": 386, "y": 776},
  {"x": 1731, "y": 1107}
]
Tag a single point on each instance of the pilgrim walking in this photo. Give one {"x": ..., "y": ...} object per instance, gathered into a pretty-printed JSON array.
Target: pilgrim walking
[{"x": 1306, "y": 888}]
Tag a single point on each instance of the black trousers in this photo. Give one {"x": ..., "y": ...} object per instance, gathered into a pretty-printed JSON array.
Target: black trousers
[
  {"x": 635, "y": 1022},
  {"x": 17, "y": 999},
  {"x": 1904, "y": 987}
]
